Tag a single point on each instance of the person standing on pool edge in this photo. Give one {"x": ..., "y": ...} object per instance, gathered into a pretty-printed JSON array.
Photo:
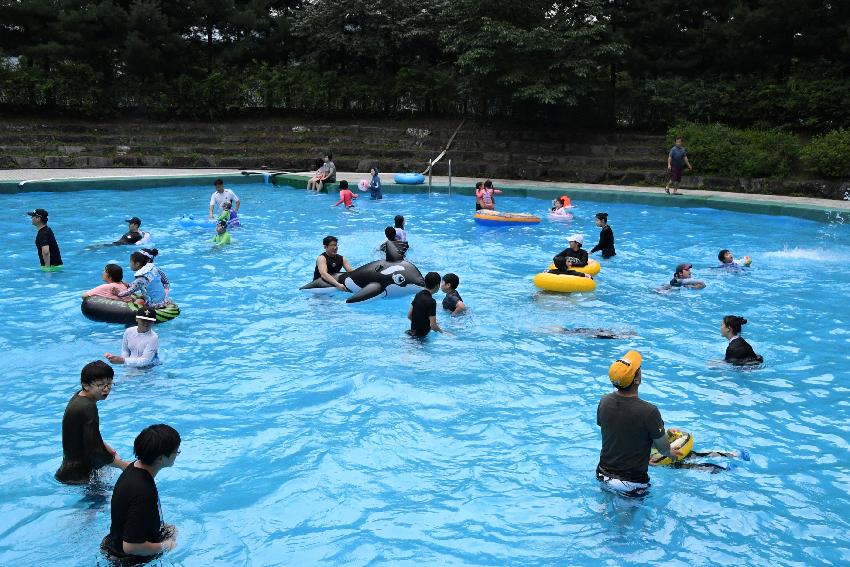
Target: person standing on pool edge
[
  {"x": 630, "y": 427},
  {"x": 137, "y": 531},
  {"x": 606, "y": 237},
  {"x": 45, "y": 241},
  {"x": 220, "y": 195},
  {"x": 83, "y": 449},
  {"x": 329, "y": 263},
  {"x": 677, "y": 157}
]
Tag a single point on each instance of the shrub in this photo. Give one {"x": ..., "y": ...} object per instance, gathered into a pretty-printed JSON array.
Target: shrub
[
  {"x": 829, "y": 154},
  {"x": 752, "y": 152}
]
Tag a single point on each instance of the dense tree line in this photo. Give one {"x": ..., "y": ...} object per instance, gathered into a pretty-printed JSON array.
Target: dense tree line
[{"x": 641, "y": 63}]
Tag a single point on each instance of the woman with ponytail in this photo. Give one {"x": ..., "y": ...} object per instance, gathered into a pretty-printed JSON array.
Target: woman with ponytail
[{"x": 739, "y": 351}]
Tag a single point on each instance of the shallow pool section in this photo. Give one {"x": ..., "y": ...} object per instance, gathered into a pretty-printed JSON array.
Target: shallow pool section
[{"x": 316, "y": 433}]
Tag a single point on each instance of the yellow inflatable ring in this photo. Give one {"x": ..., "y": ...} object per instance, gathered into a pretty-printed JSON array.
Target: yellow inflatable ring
[
  {"x": 682, "y": 442},
  {"x": 563, "y": 283},
  {"x": 592, "y": 267}
]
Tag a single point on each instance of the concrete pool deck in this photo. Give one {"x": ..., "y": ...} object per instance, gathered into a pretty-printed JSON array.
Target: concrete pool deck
[{"x": 28, "y": 180}]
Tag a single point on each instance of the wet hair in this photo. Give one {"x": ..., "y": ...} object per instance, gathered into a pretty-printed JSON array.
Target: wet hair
[
  {"x": 326, "y": 241},
  {"x": 451, "y": 280},
  {"x": 432, "y": 280},
  {"x": 602, "y": 216},
  {"x": 218, "y": 182},
  {"x": 343, "y": 184},
  {"x": 734, "y": 322},
  {"x": 144, "y": 256},
  {"x": 399, "y": 221},
  {"x": 488, "y": 184},
  {"x": 96, "y": 370},
  {"x": 155, "y": 441},
  {"x": 227, "y": 204},
  {"x": 222, "y": 223},
  {"x": 115, "y": 272},
  {"x": 389, "y": 232},
  {"x": 479, "y": 185},
  {"x": 329, "y": 155},
  {"x": 721, "y": 254}
]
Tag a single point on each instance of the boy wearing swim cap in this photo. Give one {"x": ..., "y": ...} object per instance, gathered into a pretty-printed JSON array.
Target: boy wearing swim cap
[{"x": 630, "y": 427}]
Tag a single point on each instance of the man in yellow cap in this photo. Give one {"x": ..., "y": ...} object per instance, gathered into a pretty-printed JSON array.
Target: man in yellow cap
[{"x": 630, "y": 427}]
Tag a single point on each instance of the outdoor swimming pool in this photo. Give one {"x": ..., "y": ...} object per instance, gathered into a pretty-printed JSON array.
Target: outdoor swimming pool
[{"x": 316, "y": 432}]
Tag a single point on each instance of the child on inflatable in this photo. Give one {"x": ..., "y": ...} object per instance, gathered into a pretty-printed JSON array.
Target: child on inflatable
[
  {"x": 345, "y": 195},
  {"x": 486, "y": 195},
  {"x": 221, "y": 237},
  {"x": 400, "y": 233},
  {"x": 112, "y": 275},
  {"x": 150, "y": 282}
]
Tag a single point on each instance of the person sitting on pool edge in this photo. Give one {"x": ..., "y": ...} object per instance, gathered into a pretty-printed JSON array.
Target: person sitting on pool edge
[
  {"x": 133, "y": 233},
  {"x": 83, "y": 449},
  {"x": 452, "y": 302},
  {"x": 739, "y": 352},
  {"x": 727, "y": 261},
  {"x": 221, "y": 237},
  {"x": 630, "y": 427},
  {"x": 113, "y": 276},
  {"x": 329, "y": 263},
  {"x": 345, "y": 195},
  {"x": 606, "y": 237},
  {"x": 325, "y": 174},
  {"x": 572, "y": 256},
  {"x": 140, "y": 345},
  {"x": 423, "y": 309},
  {"x": 137, "y": 532},
  {"x": 682, "y": 278},
  {"x": 392, "y": 240}
]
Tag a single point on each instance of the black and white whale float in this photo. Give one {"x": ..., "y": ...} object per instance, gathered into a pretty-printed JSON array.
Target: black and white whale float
[{"x": 391, "y": 277}]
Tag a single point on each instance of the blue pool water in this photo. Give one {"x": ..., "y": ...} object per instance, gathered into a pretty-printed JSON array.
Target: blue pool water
[{"x": 317, "y": 433}]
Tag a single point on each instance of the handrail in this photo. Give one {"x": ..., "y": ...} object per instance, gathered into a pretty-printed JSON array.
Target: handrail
[{"x": 433, "y": 162}]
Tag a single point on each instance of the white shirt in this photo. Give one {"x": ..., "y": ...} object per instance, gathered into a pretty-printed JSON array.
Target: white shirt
[
  {"x": 140, "y": 350},
  {"x": 226, "y": 195}
]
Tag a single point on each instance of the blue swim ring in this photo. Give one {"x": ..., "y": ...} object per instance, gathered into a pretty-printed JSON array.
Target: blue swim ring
[{"x": 409, "y": 178}]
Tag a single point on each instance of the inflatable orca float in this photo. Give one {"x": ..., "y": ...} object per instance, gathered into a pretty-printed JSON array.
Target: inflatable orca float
[{"x": 392, "y": 277}]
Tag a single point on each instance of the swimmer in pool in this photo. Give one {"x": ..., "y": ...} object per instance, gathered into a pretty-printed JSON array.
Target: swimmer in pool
[
  {"x": 113, "y": 276},
  {"x": 345, "y": 195},
  {"x": 221, "y": 237},
  {"x": 727, "y": 261},
  {"x": 140, "y": 345},
  {"x": 739, "y": 352},
  {"x": 682, "y": 278},
  {"x": 330, "y": 262},
  {"x": 133, "y": 233},
  {"x": 594, "y": 333}
]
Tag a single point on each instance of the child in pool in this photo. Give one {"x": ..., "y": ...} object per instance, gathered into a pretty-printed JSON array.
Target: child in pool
[
  {"x": 345, "y": 195},
  {"x": 739, "y": 352},
  {"x": 728, "y": 262},
  {"x": 221, "y": 237},
  {"x": 112, "y": 275}
]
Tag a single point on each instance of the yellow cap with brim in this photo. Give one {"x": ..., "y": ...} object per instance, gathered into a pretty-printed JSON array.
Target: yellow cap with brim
[{"x": 622, "y": 373}]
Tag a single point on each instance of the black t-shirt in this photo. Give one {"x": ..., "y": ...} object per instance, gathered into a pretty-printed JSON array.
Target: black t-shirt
[
  {"x": 401, "y": 246},
  {"x": 579, "y": 256},
  {"x": 424, "y": 307},
  {"x": 83, "y": 448},
  {"x": 606, "y": 242},
  {"x": 135, "y": 510},
  {"x": 45, "y": 238},
  {"x": 629, "y": 425},
  {"x": 741, "y": 353},
  {"x": 334, "y": 265},
  {"x": 130, "y": 237},
  {"x": 451, "y": 300}
]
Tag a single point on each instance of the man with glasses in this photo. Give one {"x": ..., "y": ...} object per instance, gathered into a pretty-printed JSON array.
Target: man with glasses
[
  {"x": 137, "y": 532},
  {"x": 84, "y": 450}
]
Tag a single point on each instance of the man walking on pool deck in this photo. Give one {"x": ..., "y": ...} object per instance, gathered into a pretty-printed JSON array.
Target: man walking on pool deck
[
  {"x": 630, "y": 427},
  {"x": 45, "y": 241},
  {"x": 677, "y": 157},
  {"x": 221, "y": 195}
]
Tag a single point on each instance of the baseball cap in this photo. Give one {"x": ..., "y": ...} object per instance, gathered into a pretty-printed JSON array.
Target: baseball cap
[
  {"x": 134, "y": 220},
  {"x": 146, "y": 314},
  {"x": 576, "y": 238},
  {"x": 38, "y": 213},
  {"x": 622, "y": 372},
  {"x": 683, "y": 266}
]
